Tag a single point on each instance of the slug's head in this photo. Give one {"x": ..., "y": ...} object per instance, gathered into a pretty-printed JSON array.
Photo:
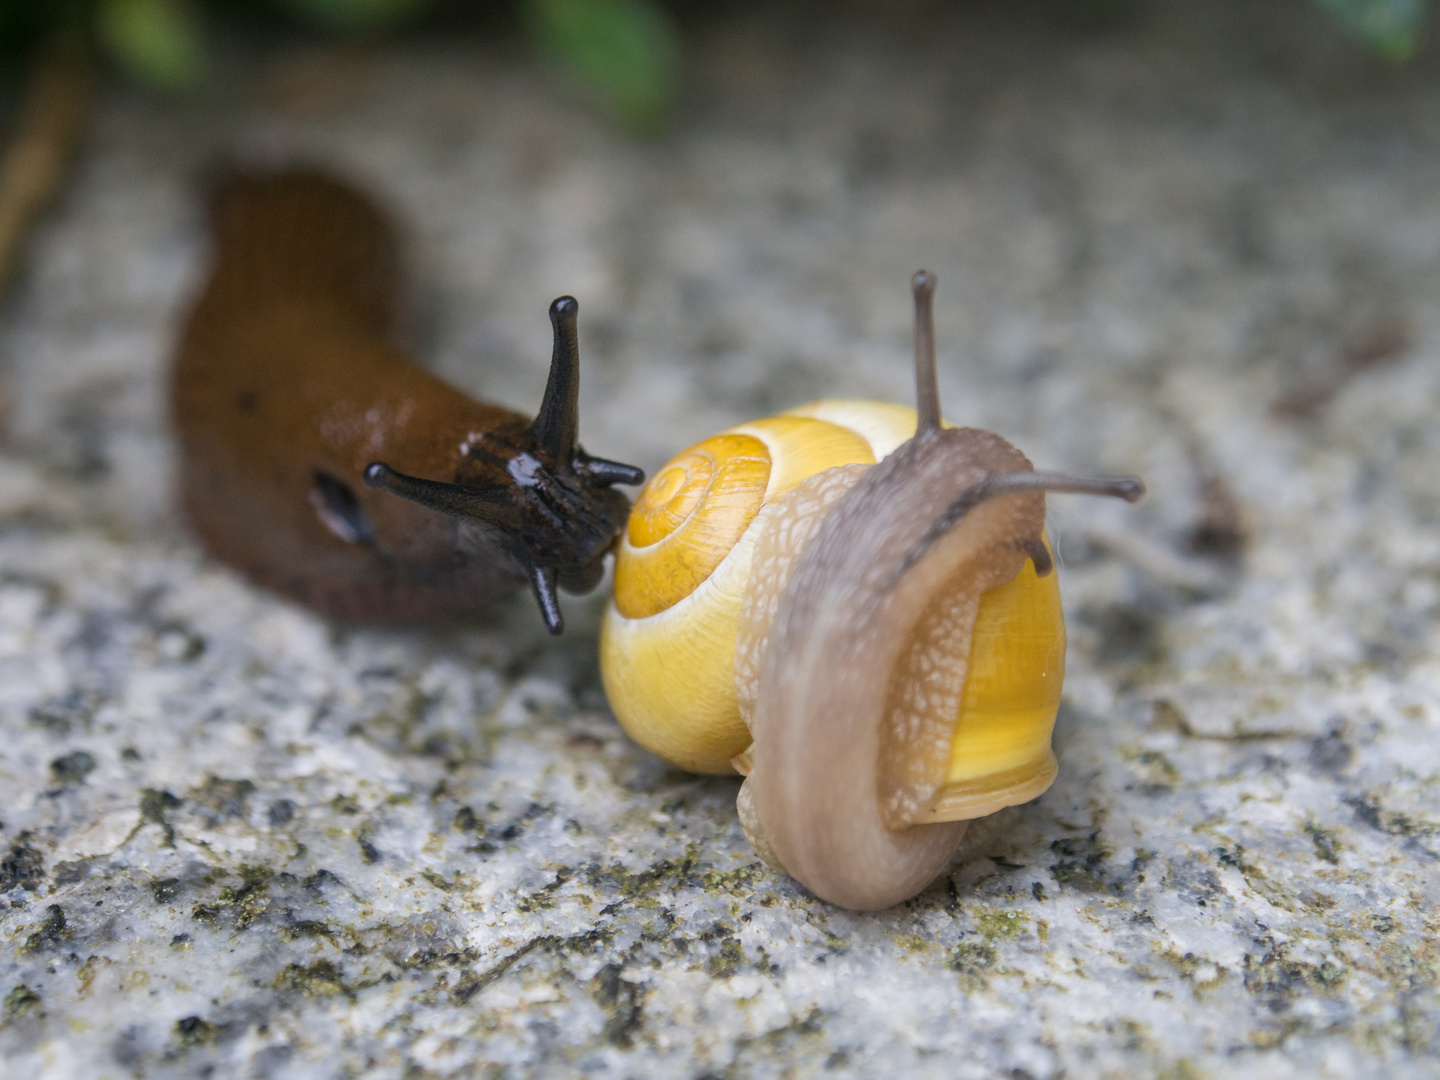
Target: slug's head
[{"x": 550, "y": 505}]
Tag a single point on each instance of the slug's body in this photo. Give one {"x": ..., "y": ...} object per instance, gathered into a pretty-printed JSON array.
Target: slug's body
[
  {"x": 289, "y": 393},
  {"x": 854, "y": 605}
]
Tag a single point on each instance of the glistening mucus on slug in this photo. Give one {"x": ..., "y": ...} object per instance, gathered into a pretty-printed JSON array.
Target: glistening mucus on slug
[
  {"x": 855, "y": 605},
  {"x": 299, "y": 417}
]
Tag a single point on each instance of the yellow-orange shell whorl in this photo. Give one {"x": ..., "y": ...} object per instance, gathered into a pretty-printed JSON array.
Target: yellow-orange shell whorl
[{"x": 667, "y": 641}]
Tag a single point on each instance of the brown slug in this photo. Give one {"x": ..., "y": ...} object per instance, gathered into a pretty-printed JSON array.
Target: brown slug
[{"x": 300, "y": 418}]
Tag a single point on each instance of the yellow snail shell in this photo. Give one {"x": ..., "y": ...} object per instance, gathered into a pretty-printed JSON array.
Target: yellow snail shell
[{"x": 880, "y": 646}]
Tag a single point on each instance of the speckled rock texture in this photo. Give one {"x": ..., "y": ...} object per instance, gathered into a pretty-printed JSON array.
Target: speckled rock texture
[{"x": 1198, "y": 241}]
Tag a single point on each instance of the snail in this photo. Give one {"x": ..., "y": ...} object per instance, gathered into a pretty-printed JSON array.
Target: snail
[
  {"x": 299, "y": 420},
  {"x": 853, "y": 604}
]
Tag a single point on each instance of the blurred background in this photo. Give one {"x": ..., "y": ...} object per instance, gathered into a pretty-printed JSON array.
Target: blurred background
[{"x": 627, "y": 53}]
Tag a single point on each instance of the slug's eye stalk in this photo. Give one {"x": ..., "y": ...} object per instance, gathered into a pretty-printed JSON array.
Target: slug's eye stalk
[
  {"x": 549, "y": 503},
  {"x": 557, "y": 424}
]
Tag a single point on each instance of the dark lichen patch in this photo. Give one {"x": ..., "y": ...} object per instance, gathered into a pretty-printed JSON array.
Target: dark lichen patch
[
  {"x": 1195, "y": 882},
  {"x": 221, "y": 800},
  {"x": 425, "y": 947},
  {"x": 72, "y": 768},
  {"x": 71, "y": 871},
  {"x": 364, "y": 838},
  {"x": 1129, "y": 635},
  {"x": 345, "y": 804},
  {"x": 280, "y": 814},
  {"x": 319, "y": 881},
  {"x": 741, "y": 881},
  {"x": 994, "y": 923},
  {"x": 437, "y": 879},
  {"x": 165, "y": 890},
  {"x": 588, "y": 942},
  {"x": 467, "y": 821},
  {"x": 1155, "y": 772},
  {"x": 973, "y": 960},
  {"x": 320, "y": 979},
  {"x": 472, "y": 982},
  {"x": 1369, "y": 811},
  {"x": 531, "y": 814},
  {"x": 1203, "y": 975},
  {"x": 623, "y": 1003},
  {"x": 307, "y": 928},
  {"x": 1327, "y": 844},
  {"x": 154, "y": 803},
  {"x": 206, "y": 913},
  {"x": 89, "y": 970},
  {"x": 249, "y": 899},
  {"x": 1234, "y": 857},
  {"x": 60, "y": 715},
  {"x": 1277, "y": 979},
  {"x": 1411, "y": 968},
  {"x": 1222, "y": 528},
  {"x": 661, "y": 929},
  {"x": 50, "y": 933},
  {"x": 643, "y": 884},
  {"x": 1082, "y": 864},
  {"x": 192, "y": 1032},
  {"x": 1331, "y": 755},
  {"x": 727, "y": 959},
  {"x": 20, "y": 1001},
  {"x": 777, "y": 1044},
  {"x": 544, "y": 897},
  {"x": 22, "y": 867}
]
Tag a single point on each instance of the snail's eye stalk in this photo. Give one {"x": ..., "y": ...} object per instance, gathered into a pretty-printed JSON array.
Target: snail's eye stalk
[
  {"x": 1129, "y": 488},
  {"x": 927, "y": 380}
]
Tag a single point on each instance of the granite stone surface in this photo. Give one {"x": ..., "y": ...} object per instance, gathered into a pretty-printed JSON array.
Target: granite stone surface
[{"x": 1197, "y": 241}]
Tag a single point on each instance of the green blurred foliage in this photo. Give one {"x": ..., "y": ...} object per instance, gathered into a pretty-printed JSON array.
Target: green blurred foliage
[
  {"x": 157, "y": 41},
  {"x": 1390, "y": 27},
  {"x": 627, "y": 50}
]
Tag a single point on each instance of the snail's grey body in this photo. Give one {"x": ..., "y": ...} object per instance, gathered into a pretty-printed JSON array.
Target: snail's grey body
[{"x": 845, "y": 755}]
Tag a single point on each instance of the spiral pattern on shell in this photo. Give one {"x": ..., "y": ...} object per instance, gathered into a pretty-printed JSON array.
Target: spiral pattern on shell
[{"x": 682, "y": 569}]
